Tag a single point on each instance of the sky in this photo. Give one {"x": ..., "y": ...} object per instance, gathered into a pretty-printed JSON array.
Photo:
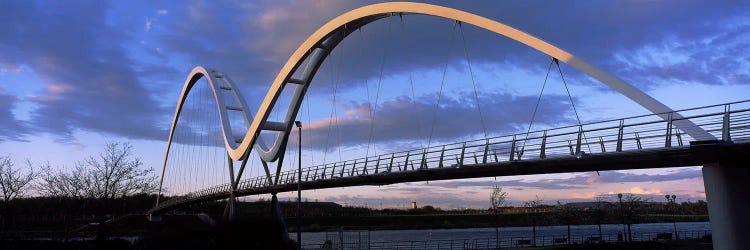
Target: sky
[{"x": 75, "y": 75}]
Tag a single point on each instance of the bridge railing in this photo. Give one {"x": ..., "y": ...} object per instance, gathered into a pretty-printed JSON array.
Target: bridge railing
[
  {"x": 726, "y": 122},
  {"x": 633, "y": 133}
]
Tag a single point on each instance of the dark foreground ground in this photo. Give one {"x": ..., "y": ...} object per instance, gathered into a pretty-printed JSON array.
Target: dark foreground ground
[
  {"x": 200, "y": 232},
  {"x": 180, "y": 234},
  {"x": 203, "y": 242}
]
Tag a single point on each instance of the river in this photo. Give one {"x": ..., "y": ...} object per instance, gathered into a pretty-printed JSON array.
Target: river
[{"x": 510, "y": 234}]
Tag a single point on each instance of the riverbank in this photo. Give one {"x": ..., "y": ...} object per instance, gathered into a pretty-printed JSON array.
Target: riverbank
[
  {"x": 406, "y": 222},
  {"x": 220, "y": 239},
  {"x": 512, "y": 237},
  {"x": 672, "y": 245}
]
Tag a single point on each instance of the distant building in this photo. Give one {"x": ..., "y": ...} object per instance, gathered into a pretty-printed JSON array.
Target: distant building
[
  {"x": 523, "y": 210},
  {"x": 413, "y": 205},
  {"x": 590, "y": 205}
]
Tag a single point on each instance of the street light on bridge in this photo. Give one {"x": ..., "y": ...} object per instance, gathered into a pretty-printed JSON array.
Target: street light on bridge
[{"x": 299, "y": 186}]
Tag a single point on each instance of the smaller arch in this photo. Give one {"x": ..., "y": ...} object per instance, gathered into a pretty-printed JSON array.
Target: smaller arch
[{"x": 217, "y": 82}]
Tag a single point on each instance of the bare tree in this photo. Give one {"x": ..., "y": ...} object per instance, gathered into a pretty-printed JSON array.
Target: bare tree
[
  {"x": 13, "y": 184},
  {"x": 498, "y": 199},
  {"x": 534, "y": 205},
  {"x": 58, "y": 183},
  {"x": 101, "y": 180},
  {"x": 599, "y": 212},
  {"x": 113, "y": 174},
  {"x": 631, "y": 206},
  {"x": 566, "y": 215}
]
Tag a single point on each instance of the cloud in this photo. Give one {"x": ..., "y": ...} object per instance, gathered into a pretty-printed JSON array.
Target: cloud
[
  {"x": 639, "y": 190},
  {"x": 8, "y": 67},
  {"x": 10, "y": 127},
  {"x": 638, "y": 42},
  {"x": 597, "y": 32},
  {"x": 517, "y": 183},
  {"x": 621, "y": 177},
  {"x": 91, "y": 85},
  {"x": 579, "y": 187},
  {"x": 584, "y": 180},
  {"x": 710, "y": 60},
  {"x": 401, "y": 120},
  {"x": 422, "y": 197}
]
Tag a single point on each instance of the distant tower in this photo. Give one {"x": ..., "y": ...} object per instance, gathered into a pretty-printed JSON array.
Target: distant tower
[{"x": 413, "y": 204}]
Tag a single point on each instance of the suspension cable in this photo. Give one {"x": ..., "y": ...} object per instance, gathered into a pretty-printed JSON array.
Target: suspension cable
[
  {"x": 294, "y": 160},
  {"x": 442, "y": 84},
  {"x": 473, "y": 82},
  {"x": 367, "y": 84},
  {"x": 300, "y": 117},
  {"x": 199, "y": 123},
  {"x": 185, "y": 138},
  {"x": 411, "y": 84},
  {"x": 373, "y": 108},
  {"x": 214, "y": 145},
  {"x": 309, "y": 135},
  {"x": 204, "y": 127},
  {"x": 536, "y": 107},
  {"x": 573, "y": 105},
  {"x": 330, "y": 118},
  {"x": 252, "y": 164},
  {"x": 194, "y": 137},
  {"x": 335, "y": 109}
]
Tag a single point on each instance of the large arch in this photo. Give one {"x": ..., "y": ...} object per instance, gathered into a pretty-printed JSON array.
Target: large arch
[{"x": 322, "y": 41}]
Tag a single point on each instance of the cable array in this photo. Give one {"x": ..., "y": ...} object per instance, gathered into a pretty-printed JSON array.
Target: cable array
[{"x": 197, "y": 157}]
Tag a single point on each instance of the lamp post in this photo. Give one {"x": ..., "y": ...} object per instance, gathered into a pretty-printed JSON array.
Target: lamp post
[
  {"x": 674, "y": 221},
  {"x": 299, "y": 186},
  {"x": 619, "y": 196},
  {"x": 669, "y": 207}
]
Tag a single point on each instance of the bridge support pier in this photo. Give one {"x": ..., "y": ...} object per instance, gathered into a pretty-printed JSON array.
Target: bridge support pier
[
  {"x": 229, "y": 209},
  {"x": 728, "y": 193},
  {"x": 278, "y": 217}
]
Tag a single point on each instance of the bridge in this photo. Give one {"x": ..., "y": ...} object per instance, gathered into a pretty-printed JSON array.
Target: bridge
[
  {"x": 716, "y": 136},
  {"x": 630, "y": 143}
]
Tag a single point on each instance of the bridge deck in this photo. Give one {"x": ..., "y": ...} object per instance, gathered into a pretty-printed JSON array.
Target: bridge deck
[
  {"x": 630, "y": 143},
  {"x": 653, "y": 158}
]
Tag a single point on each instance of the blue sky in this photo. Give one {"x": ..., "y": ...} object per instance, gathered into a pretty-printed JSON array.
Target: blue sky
[{"x": 74, "y": 75}]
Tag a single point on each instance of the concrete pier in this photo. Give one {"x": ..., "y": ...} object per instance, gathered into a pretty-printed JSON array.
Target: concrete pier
[{"x": 728, "y": 193}]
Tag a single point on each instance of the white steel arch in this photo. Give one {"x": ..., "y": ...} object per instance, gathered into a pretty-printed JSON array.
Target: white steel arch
[
  {"x": 317, "y": 47},
  {"x": 322, "y": 41}
]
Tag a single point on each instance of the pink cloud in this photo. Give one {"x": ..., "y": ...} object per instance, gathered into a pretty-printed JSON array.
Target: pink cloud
[
  {"x": 638, "y": 190},
  {"x": 57, "y": 89},
  {"x": 10, "y": 68}
]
